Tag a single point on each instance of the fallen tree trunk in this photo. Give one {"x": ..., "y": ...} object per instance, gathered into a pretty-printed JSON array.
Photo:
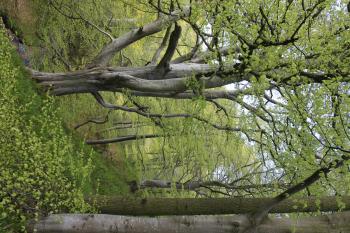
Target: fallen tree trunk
[
  {"x": 145, "y": 79},
  {"x": 100, "y": 223},
  {"x": 213, "y": 206}
]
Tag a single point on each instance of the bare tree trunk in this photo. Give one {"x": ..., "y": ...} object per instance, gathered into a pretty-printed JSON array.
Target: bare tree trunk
[
  {"x": 95, "y": 223},
  {"x": 213, "y": 206}
]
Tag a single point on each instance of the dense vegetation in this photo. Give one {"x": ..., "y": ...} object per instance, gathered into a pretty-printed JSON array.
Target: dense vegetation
[
  {"x": 153, "y": 75},
  {"x": 45, "y": 157},
  {"x": 186, "y": 149},
  {"x": 44, "y": 168},
  {"x": 42, "y": 171}
]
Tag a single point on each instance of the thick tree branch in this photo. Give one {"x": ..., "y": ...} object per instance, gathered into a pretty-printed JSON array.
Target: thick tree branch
[
  {"x": 161, "y": 47},
  {"x": 140, "y": 79},
  {"x": 107, "y": 53},
  {"x": 174, "y": 38}
]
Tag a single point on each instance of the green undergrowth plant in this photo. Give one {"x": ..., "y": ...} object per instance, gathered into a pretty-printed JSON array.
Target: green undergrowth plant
[
  {"x": 43, "y": 168},
  {"x": 40, "y": 19},
  {"x": 42, "y": 171}
]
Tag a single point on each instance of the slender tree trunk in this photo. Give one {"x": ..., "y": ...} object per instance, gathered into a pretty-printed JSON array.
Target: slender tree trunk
[
  {"x": 213, "y": 206},
  {"x": 95, "y": 223}
]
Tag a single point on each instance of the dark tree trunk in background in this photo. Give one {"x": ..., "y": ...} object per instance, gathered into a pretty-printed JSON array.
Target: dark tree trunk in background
[{"x": 212, "y": 206}]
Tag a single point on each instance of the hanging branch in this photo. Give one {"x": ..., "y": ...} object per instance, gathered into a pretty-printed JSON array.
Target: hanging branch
[{"x": 101, "y": 101}]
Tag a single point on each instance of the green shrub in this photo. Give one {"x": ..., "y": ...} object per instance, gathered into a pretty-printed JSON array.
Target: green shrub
[{"x": 41, "y": 170}]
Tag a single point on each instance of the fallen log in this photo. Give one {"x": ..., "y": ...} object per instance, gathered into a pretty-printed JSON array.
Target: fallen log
[
  {"x": 214, "y": 206},
  {"x": 100, "y": 223}
]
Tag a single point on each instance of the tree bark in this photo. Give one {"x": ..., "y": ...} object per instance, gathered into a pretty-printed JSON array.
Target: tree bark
[
  {"x": 176, "y": 80},
  {"x": 95, "y": 223},
  {"x": 213, "y": 206},
  {"x": 145, "y": 79}
]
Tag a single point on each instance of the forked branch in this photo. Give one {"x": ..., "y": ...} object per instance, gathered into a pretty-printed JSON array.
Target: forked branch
[{"x": 109, "y": 50}]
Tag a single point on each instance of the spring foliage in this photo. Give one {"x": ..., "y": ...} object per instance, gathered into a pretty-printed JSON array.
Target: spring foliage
[
  {"x": 188, "y": 149},
  {"x": 42, "y": 171}
]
